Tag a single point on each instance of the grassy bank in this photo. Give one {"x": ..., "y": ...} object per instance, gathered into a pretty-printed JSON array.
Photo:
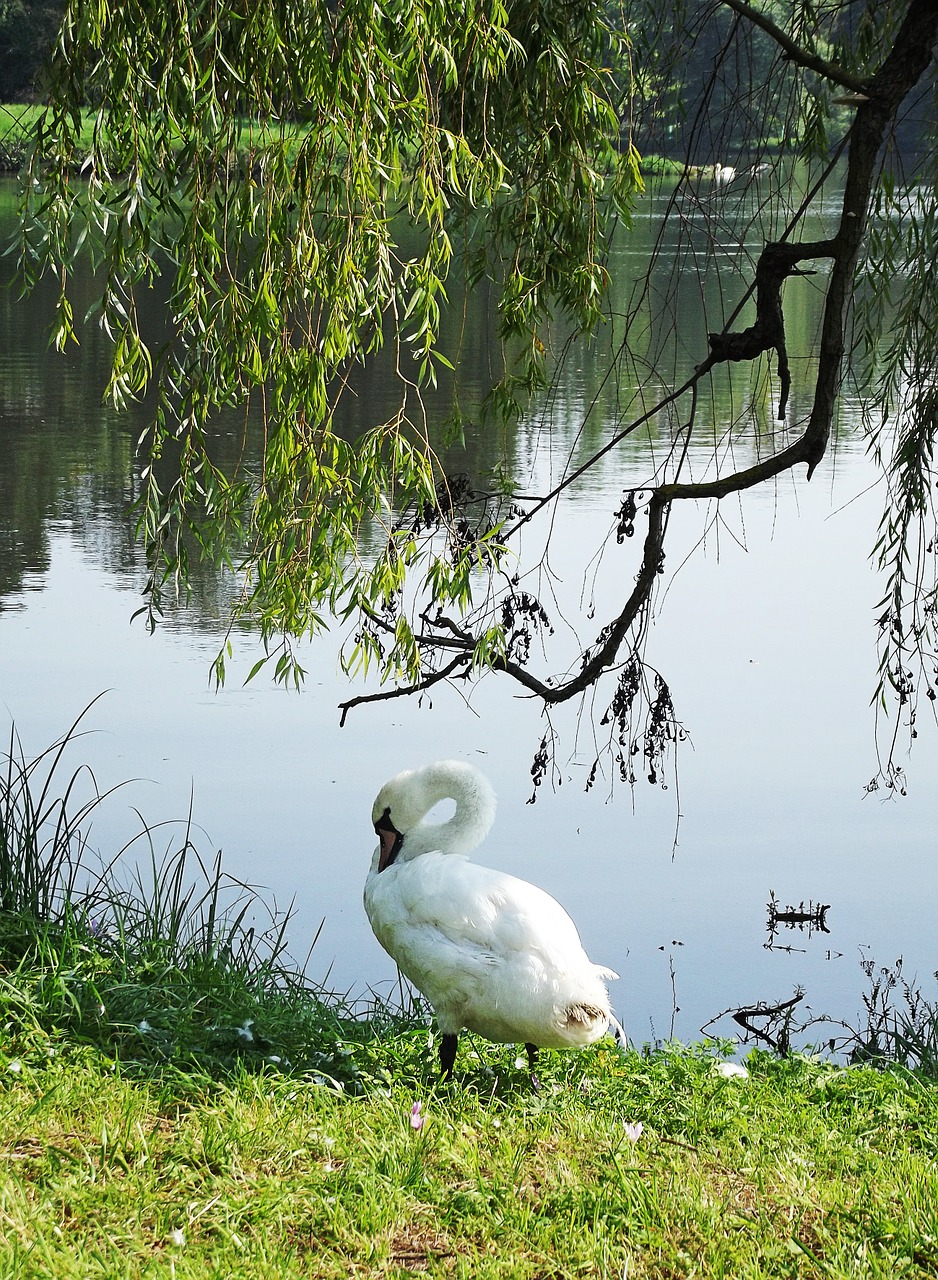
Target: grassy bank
[
  {"x": 17, "y": 123},
  {"x": 177, "y": 1100},
  {"x": 802, "y": 1169}
]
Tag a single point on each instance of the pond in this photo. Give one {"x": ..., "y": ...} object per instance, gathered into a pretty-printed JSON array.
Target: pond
[{"x": 764, "y": 629}]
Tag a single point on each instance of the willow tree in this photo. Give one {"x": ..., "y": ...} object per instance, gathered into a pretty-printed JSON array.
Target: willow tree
[
  {"x": 312, "y": 179},
  {"x": 271, "y": 160}
]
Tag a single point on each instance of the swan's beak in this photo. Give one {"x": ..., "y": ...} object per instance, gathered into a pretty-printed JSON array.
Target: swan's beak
[{"x": 389, "y": 840}]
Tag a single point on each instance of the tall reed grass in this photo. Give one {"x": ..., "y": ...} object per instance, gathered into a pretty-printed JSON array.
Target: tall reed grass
[
  {"x": 901, "y": 1022},
  {"x": 154, "y": 951}
]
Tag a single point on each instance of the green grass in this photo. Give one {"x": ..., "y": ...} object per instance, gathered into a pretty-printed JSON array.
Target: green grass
[
  {"x": 177, "y": 1100},
  {"x": 18, "y": 122},
  {"x": 153, "y": 955},
  {"x": 803, "y": 1170}
]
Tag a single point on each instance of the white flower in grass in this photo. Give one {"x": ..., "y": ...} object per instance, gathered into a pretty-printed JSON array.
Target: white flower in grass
[
  {"x": 177, "y": 1237},
  {"x": 632, "y": 1131},
  {"x": 143, "y": 1027},
  {"x": 732, "y": 1071},
  {"x": 15, "y": 1066},
  {"x": 245, "y": 1032}
]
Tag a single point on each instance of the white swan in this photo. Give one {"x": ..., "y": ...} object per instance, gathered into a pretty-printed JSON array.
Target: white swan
[{"x": 491, "y": 953}]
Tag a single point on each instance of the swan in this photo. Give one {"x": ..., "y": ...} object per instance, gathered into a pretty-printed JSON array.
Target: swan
[{"x": 492, "y": 954}]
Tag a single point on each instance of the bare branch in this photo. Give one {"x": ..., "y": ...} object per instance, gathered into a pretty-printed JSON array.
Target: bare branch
[
  {"x": 776, "y": 263},
  {"x": 774, "y": 1015},
  {"x": 403, "y": 691},
  {"x": 900, "y": 71},
  {"x": 794, "y": 52}
]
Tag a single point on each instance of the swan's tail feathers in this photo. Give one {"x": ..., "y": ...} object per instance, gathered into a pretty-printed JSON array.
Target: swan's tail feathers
[
  {"x": 582, "y": 1016},
  {"x": 618, "y": 1031}
]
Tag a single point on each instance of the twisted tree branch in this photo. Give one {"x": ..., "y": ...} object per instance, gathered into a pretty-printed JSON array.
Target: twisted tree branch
[
  {"x": 793, "y": 51},
  {"x": 882, "y": 95}
]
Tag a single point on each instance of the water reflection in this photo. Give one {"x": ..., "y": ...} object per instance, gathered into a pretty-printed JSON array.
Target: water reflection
[
  {"x": 63, "y": 456},
  {"x": 807, "y": 919}
]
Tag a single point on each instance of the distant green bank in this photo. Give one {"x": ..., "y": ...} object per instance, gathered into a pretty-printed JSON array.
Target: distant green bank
[{"x": 18, "y": 122}]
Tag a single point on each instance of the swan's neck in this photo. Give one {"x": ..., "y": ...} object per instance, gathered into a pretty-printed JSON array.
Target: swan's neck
[{"x": 474, "y": 815}]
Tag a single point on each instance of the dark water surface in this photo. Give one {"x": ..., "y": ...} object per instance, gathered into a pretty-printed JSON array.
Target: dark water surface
[{"x": 765, "y": 633}]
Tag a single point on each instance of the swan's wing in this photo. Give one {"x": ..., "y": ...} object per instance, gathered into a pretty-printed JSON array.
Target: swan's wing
[
  {"x": 485, "y": 910},
  {"x": 431, "y": 940}
]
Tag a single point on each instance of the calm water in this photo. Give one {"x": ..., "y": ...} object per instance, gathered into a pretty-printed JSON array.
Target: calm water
[{"x": 765, "y": 633}]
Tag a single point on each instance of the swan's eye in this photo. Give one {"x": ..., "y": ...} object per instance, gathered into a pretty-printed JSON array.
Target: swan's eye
[{"x": 384, "y": 824}]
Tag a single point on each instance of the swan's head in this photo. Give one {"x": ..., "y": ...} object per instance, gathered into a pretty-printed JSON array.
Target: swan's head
[
  {"x": 401, "y": 805},
  {"x": 390, "y": 840},
  {"x": 397, "y": 809}
]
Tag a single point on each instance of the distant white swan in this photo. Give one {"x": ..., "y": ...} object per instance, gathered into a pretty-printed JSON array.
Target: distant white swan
[{"x": 491, "y": 953}]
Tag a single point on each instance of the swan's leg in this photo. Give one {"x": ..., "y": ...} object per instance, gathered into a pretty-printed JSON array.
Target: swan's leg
[
  {"x": 618, "y": 1031},
  {"x": 448, "y": 1054},
  {"x": 532, "y": 1058}
]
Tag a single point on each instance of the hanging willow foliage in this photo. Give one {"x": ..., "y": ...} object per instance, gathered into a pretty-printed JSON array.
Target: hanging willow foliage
[{"x": 272, "y": 159}]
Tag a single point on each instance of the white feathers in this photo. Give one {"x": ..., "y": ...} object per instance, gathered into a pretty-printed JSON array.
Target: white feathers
[{"x": 491, "y": 953}]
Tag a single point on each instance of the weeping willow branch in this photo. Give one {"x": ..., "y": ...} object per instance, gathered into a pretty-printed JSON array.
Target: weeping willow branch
[
  {"x": 267, "y": 156},
  {"x": 405, "y": 691},
  {"x": 883, "y": 92}
]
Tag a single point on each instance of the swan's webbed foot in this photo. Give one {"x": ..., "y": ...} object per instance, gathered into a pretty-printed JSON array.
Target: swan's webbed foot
[{"x": 448, "y": 1045}]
